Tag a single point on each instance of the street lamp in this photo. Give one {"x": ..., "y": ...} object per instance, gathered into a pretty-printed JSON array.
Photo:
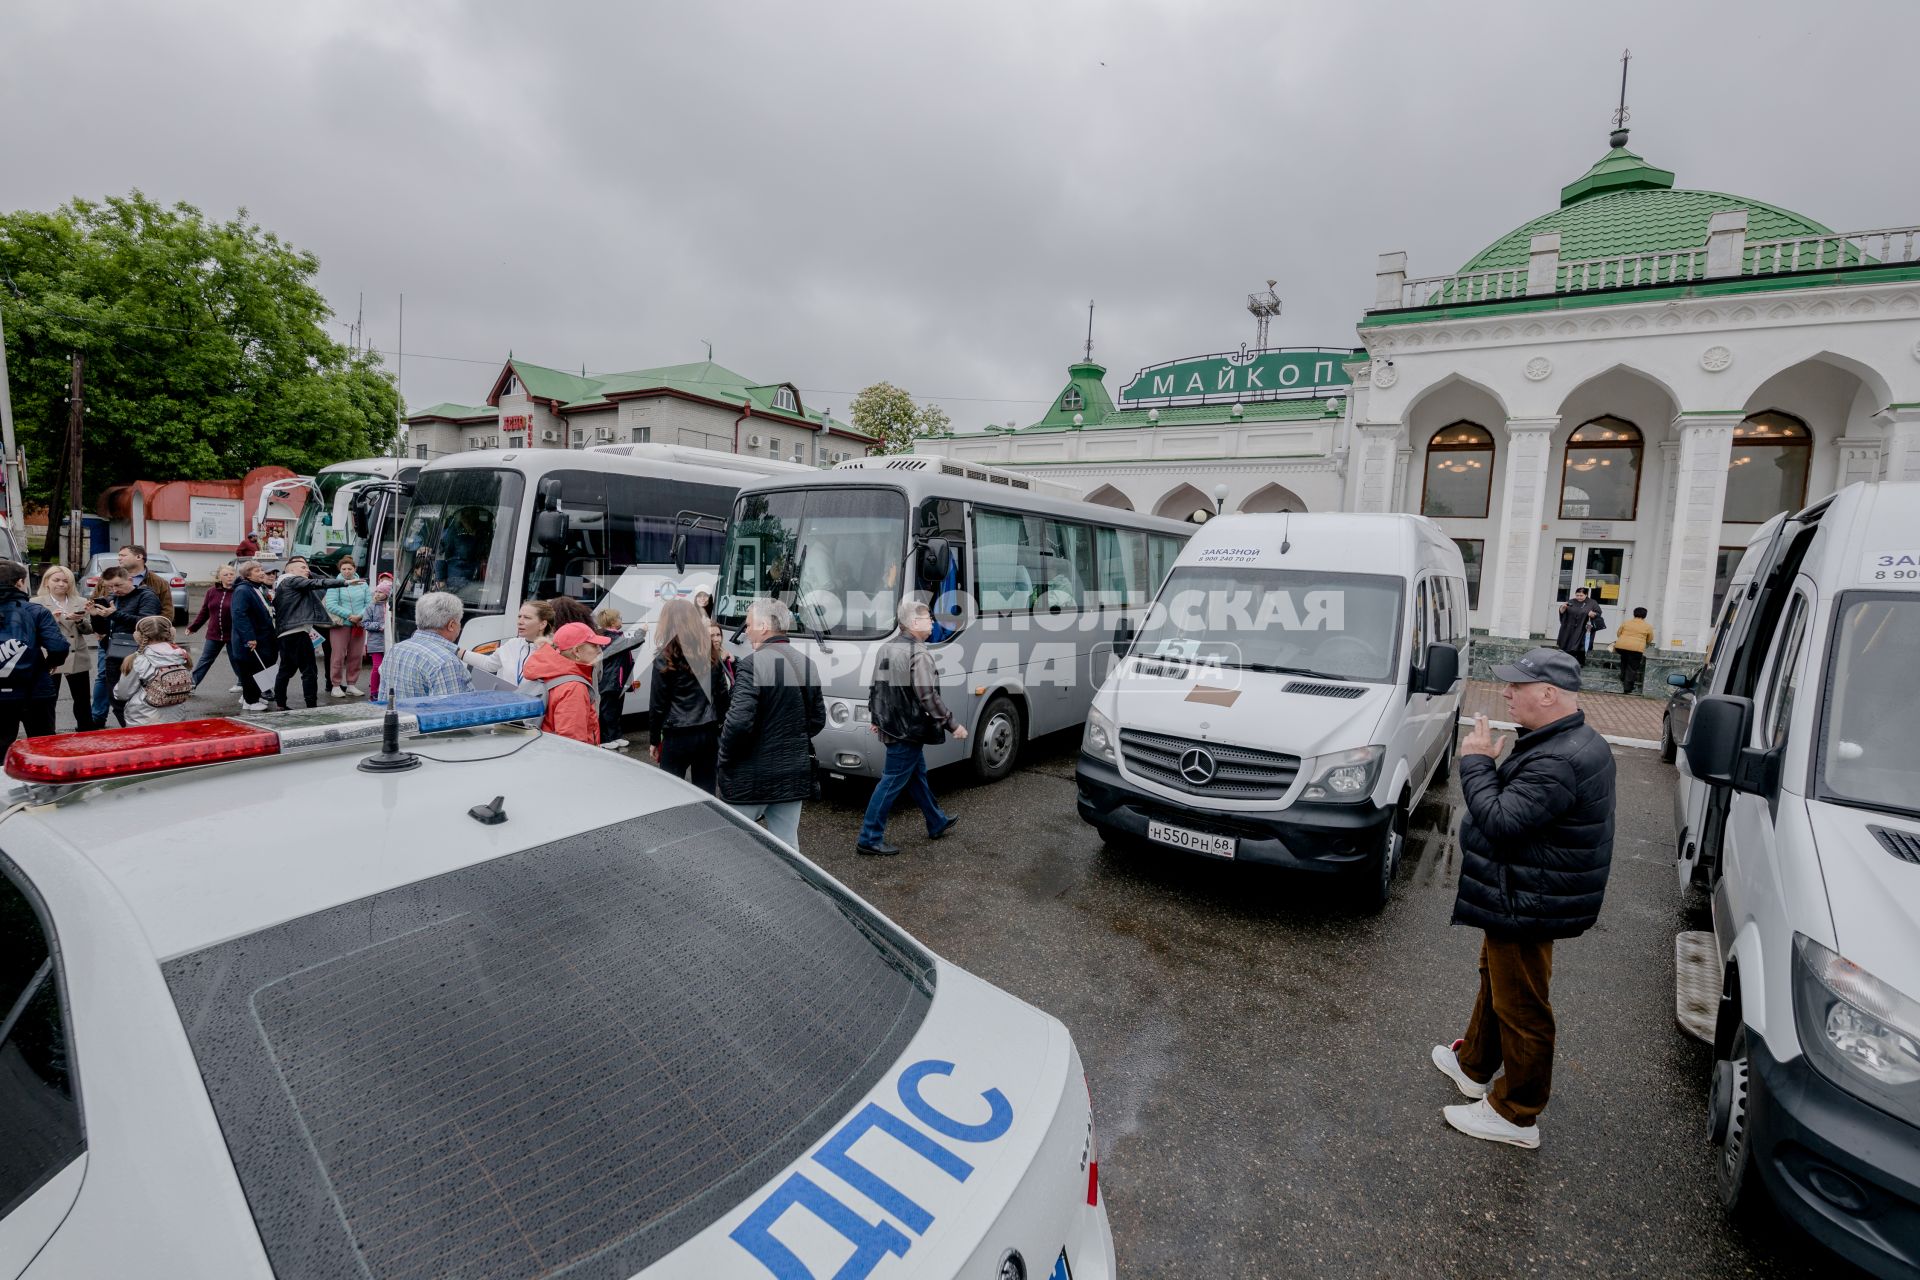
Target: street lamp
[{"x": 1220, "y": 499}]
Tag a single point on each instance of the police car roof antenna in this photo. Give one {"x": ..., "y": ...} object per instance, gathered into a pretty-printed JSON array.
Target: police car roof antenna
[{"x": 390, "y": 758}]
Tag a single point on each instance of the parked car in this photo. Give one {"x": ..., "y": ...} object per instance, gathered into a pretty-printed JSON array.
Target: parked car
[{"x": 160, "y": 566}]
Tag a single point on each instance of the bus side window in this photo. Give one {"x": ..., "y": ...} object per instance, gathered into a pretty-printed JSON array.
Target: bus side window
[
  {"x": 576, "y": 566},
  {"x": 1005, "y": 583},
  {"x": 1785, "y": 678},
  {"x": 1420, "y": 633},
  {"x": 1122, "y": 555}
]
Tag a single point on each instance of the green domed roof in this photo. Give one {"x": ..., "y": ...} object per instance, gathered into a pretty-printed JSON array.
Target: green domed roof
[{"x": 1623, "y": 205}]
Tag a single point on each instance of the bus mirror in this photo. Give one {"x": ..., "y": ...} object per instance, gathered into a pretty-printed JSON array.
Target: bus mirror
[
  {"x": 550, "y": 529},
  {"x": 936, "y": 557},
  {"x": 1123, "y": 634},
  {"x": 550, "y": 494},
  {"x": 1442, "y": 669},
  {"x": 1717, "y": 750},
  {"x": 680, "y": 551},
  {"x": 359, "y": 516},
  {"x": 326, "y": 518}
]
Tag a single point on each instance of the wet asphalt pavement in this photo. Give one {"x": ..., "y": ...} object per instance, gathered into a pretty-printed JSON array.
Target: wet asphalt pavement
[{"x": 1257, "y": 1048}]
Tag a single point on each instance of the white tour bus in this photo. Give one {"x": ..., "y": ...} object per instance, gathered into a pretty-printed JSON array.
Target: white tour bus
[
  {"x": 1808, "y": 734},
  {"x": 1294, "y": 693},
  {"x": 1029, "y": 593},
  {"x": 326, "y": 530},
  {"x": 498, "y": 528}
]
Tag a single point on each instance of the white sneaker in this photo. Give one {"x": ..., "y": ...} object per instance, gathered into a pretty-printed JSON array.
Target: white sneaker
[
  {"x": 1447, "y": 1058},
  {"x": 616, "y": 744},
  {"x": 335, "y": 691},
  {"x": 1480, "y": 1120},
  {"x": 233, "y": 688},
  {"x": 353, "y": 691},
  {"x": 253, "y": 706}
]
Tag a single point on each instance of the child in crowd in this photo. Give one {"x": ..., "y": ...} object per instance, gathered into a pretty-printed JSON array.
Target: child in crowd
[
  {"x": 376, "y": 625},
  {"x": 615, "y": 675},
  {"x": 156, "y": 674}
]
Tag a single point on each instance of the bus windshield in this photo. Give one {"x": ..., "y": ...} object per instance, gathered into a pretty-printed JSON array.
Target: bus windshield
[
  {"x": 1868, "y": 757},
  {"x": 313, "y": 536},
  {"x": 834, "y": 555},
  {"x": 459, "y": 538},
  {"x": 1341, "y": 626}
]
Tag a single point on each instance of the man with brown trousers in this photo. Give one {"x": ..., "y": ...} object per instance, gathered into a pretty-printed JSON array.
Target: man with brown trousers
[{"x": 1536, "y": 844}]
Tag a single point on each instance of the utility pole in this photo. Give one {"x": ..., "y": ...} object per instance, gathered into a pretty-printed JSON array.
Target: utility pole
[
  {"x": 76, "y": 410},
  {"x": 15, "y": 477}
]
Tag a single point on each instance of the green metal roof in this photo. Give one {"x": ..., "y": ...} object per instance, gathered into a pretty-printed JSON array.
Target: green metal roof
[
  {"x": 447, "y": 409},
  {"x": 1623, "y": 205},
  {"x": 1097, "y": 412},
  {"x": 701, "y": 378}
]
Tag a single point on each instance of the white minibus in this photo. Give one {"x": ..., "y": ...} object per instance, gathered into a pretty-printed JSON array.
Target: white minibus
[
  {"x": 1292, "y": 695},
  {"x": 1809, "y": 738}
]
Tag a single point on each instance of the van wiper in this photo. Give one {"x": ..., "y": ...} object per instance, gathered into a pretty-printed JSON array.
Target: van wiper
[{"x": 1269, "y": 668}]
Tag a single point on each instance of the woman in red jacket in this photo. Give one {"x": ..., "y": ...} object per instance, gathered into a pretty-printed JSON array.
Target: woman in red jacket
[{"x": 566, "y": 668}]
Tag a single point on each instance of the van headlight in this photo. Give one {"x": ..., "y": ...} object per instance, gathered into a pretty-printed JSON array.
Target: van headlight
[
  {"x": 839, "y": 713},
  {"x": 1099, "y": 739},
  {"x": 1857, "y": 1031},
  {"x": 1344, "y": 776}
]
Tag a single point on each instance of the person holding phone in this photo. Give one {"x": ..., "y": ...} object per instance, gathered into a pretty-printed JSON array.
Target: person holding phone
[{"x": 113, "y": 613}]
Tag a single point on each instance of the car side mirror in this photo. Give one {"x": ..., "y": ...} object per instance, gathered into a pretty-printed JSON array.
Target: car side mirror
[
  {"x": 1679, "y": 679},
  {"x": 680, "y": 551},
  {"x": 550, "y": 529},
  {"x": 1123, "y": 636},
  {"x": 935, "y": 559},
  {"x": 1717, "y": 750},
  {"x": 1442, "y": 669}
]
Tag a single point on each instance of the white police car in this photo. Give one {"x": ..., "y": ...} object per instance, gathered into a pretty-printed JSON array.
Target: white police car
[{"x": 264, "y": 1012}]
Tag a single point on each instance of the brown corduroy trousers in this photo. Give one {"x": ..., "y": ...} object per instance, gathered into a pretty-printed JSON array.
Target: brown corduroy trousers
[{"x": 1512, "y": 1026}]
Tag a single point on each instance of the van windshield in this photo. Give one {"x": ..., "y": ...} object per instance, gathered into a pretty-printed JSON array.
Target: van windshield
[
  {"x": 1343, "y": 626},
  {"x": 1868, "y": 757}
]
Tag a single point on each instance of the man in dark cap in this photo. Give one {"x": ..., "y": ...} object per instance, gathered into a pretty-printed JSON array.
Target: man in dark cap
[{"x": 1536, "y": 843}]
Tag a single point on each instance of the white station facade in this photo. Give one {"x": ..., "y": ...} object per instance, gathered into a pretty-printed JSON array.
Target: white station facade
[{"x": 1615, "y": 394}]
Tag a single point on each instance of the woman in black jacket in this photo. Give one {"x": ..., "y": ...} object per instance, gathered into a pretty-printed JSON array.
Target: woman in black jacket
[{"x": 689, "y": 695}]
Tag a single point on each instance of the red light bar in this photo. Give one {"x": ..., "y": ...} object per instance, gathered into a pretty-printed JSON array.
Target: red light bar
[{"x": 67, "y": 758}]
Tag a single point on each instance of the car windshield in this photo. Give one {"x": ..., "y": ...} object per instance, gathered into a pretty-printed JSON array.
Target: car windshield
[
  {"x": 1343, "y": 626},
  {"x": 565, "y": 1061},
  {"x": 1867, "y": 755},
  {"x": 834, "y": 555},
  {"x": 459, "y": 538}
]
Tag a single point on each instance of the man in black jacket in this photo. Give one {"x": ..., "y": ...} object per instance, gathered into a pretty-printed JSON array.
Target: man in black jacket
[
  {"x": 1536, "y": 844},
  {"x": 909, "y": 717},
  {"x": 113, "y": 614},
  {"x": 766, "y": 744},
  {"x": 301, "y": 618},
  {"x": 31, "y": 646}
]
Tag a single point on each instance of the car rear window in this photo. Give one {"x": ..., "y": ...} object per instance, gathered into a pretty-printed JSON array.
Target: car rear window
[{"x": 566, "y": 1060}]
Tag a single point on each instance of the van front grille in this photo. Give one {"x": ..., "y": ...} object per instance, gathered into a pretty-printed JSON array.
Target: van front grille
[{"x": 1238, "y": 773}]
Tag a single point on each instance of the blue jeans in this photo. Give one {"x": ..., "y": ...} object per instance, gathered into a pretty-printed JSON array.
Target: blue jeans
[
  {"x": 783, "y": 819},
  {"x": 906, "y": 770},
  {"x": 208, "y": 653},
  {"x": 103, "y": 682}
]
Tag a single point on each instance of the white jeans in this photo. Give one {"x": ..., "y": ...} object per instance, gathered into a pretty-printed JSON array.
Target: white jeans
[{"x": 783, "y": 819}]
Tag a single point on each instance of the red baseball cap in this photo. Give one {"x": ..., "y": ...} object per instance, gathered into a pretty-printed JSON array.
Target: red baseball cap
[{"x": 578, "y": 633}]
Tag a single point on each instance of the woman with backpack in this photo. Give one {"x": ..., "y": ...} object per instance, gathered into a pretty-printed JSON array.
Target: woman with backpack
[
  {"x": 563, "y": 672},
  {"x": 60, "y": 596},
  {"x": 689, "y": 695},
  {"x": 156, "y": 676}
]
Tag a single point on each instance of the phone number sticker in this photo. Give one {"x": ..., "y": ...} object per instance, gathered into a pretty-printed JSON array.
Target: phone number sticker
[{"x": 1891, "y": 566}]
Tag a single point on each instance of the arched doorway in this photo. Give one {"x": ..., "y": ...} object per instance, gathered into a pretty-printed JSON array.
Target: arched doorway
[
  {"x": 1273, "y": 498},
  {"x": 1108, "y": 496},
  {"x": 1185, "y": 503}
]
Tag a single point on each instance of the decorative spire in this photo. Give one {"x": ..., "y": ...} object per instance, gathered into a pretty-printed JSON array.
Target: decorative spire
[
  {"x": 1089, "y": 330},
  {"x": 1620, "y": 117}
]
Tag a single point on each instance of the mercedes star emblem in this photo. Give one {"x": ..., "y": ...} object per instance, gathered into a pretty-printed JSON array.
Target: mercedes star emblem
[{"x": 1197, "y": 766}]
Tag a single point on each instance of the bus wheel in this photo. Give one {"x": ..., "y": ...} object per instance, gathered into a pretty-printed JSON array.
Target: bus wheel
[
  {"x": 1376, "y": 878},
  {"x": 997, "y": 740},
  {"x": 1728, "y": 1121}
]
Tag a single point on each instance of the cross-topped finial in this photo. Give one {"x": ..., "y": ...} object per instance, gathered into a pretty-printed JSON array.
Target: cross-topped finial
[
  {"x": 1089, "y": 330},
  {"x": 1621, "y": 116}
]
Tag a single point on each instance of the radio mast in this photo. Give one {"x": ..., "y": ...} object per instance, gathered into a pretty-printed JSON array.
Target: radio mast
[{"x": 1264, "y": 306}]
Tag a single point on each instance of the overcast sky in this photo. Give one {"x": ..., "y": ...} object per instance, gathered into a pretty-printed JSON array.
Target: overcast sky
[{"x": 837, "y": 193}]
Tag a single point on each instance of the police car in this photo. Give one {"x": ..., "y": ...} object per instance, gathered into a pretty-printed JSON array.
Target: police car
[{"x": 487, "y": 1003}]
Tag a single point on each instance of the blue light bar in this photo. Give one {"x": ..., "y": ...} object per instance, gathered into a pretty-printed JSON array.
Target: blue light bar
[{"x": 465, "y": 710}]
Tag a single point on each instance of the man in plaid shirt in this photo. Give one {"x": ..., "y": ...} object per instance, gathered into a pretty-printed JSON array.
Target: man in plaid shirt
[{"x": 426, "y": 662}]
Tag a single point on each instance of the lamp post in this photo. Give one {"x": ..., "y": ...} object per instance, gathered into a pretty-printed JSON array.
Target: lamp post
[{"x": 1220, "y": 499}]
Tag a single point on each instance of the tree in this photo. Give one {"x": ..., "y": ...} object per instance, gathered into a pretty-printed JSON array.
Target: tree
[
  {"x": 890, "y": 416},
  {"x": 206, "y": 347}
]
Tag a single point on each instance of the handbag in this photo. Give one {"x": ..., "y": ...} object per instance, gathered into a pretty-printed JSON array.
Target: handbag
[{"x": 121, "y": 645}]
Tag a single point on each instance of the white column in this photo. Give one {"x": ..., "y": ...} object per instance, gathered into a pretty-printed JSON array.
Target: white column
[
  {"x": 1902, "y": 452},
  {"x": 1402, "y": 477},
  {"x": 1652, "y": 593},
  {"x": 1686, "y": 613},
  {"x": 1524, "y": 508},
  {"x": 1388, "y": 276},
  {"x": 1375, "y": 456}
]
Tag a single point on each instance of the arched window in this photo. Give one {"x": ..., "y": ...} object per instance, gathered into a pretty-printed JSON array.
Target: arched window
[
  {"x": 1459, "y": 472},
  {"x": 1602, "y": 476},
  {"x": 783, "y": 399},
  {"x": 1072, "y": 400},
  {"x": 1767, "y": 473}
]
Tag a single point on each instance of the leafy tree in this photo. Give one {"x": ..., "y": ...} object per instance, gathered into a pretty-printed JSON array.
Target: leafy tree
[
  {"x": 206, "y": 348},
  {"x": 889, "y": 414}
]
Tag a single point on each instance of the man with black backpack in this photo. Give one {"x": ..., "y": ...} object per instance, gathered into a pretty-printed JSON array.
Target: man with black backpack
[
  {"x": 909, "y": 717},
  {"x": 31, "y": 646}
]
